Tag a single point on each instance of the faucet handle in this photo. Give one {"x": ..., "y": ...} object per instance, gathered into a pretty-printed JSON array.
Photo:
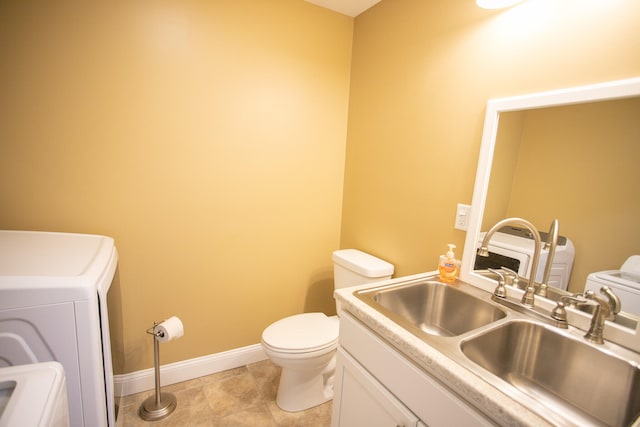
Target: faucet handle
[
  {"x": 500, "y": 291},
  {"x": 510, "y": 276},
  {"x": 559, "y": 313}
]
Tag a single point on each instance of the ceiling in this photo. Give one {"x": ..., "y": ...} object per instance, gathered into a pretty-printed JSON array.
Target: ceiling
[{"x": 346, "y": 7}]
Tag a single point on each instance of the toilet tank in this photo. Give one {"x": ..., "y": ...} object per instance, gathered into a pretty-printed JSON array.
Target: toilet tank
[{"x": 353, "y": 267}]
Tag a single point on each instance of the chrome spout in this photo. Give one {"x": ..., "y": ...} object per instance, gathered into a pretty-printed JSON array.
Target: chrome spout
[
  {"x": 551, "y": 244},
  {"x": 528, "y": 298}
]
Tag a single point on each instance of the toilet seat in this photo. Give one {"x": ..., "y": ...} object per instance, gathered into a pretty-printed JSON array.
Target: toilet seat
[{"x": 302, "y": 333}]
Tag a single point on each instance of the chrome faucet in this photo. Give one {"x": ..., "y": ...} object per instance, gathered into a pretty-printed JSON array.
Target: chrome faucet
[
  {"x": 605, "y": 310},
  {"x": 529, "y": 294},
  {"x": 551, "y": 244}
]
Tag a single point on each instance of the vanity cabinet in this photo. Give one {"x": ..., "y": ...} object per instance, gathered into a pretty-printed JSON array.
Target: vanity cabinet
[{"x": 375, "y": 385}]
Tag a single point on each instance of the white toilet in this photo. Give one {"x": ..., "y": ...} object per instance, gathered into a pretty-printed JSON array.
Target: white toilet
[{"x": 304, "y": 345}]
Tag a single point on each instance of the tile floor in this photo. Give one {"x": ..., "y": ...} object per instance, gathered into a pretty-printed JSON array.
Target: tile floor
[{"x": 238, "y": 397}]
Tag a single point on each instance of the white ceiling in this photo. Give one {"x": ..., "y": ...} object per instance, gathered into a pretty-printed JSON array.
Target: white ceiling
[{"x": 346, "y": 7}]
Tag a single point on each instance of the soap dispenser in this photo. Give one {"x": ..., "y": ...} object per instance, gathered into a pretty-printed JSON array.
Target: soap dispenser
[{"x": 449, "y": 266}]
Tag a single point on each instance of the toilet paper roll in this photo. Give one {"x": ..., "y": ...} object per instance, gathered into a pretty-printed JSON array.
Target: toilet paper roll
[{"x": 169, "y": 330}]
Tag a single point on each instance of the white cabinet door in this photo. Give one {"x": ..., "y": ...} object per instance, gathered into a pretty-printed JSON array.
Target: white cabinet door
[
  {"x": 360, "y": 400},
  {"x": 423, "y": 395}
]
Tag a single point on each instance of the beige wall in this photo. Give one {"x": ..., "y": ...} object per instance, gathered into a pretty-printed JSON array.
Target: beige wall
[
  {"x": 208, "y": 138},
  {"x": 422, "y": 72}
]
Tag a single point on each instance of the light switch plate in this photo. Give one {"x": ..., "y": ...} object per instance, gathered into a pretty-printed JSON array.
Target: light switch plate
[{"x": 462, "y": 217}]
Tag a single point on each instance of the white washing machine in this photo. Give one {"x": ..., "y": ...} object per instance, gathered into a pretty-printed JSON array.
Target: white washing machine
[
  {"x": 53, "y": 307},
  {"x": 625, "y": 283},
  {"x": 33, "y": 395}
]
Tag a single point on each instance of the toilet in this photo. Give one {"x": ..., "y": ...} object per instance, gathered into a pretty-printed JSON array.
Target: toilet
[{"x": 304, "y": 345}]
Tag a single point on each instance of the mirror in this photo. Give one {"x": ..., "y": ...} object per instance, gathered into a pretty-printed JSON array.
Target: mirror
[
  {"x": 577, "y": 163},
  {"x": 576, "y": 152}
]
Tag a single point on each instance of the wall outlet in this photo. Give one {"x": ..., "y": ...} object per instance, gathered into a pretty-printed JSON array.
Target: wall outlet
[{"x": 462, "y": 217}]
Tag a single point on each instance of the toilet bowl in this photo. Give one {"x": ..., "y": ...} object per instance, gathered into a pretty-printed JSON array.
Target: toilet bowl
[{"x": 304, "y": 345}]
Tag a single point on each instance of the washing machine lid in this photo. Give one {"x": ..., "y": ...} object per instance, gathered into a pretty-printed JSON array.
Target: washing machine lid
[
  {"x": 617, "y": 279},
  {"x": 46, "y": 268},
  {"x": 302, "y": 333},
  {"x": 627, "y": 277}
]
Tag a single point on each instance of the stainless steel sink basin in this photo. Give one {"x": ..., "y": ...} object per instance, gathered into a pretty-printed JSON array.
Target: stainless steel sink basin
[
  {"x": 432, "y": 308},
  {"x": 575, "y": 380}
]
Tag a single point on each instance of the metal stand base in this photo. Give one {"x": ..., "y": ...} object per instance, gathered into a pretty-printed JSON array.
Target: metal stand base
[{"x": 152, "y": 410}]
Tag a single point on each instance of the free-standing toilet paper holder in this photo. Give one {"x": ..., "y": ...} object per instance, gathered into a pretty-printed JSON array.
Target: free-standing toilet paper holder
[{"x": 162, "y": 404}]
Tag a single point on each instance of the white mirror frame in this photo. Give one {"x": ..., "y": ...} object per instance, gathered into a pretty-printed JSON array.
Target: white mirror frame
[{"x": 598, "y": 92}]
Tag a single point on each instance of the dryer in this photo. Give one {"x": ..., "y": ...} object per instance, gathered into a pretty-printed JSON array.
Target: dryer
[{"x": 53, "y": 307}]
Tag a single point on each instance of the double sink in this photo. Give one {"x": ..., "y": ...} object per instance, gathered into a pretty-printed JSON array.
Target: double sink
[{"x": 554, "y": 372}]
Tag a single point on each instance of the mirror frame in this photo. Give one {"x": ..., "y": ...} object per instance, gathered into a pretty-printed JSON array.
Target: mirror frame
[{"x": 612, "y": 90}]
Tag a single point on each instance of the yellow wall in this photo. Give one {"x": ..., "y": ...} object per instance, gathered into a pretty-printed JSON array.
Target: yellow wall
[
  {"x": 207, "y": 137},
  {"x": 422, "y": 72}
]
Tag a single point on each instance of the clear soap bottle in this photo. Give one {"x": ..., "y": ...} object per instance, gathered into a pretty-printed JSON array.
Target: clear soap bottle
[{"x": 449, "y": 266}]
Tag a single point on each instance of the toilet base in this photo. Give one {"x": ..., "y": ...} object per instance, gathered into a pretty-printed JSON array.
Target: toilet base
[{"x": 303, "y": 389}]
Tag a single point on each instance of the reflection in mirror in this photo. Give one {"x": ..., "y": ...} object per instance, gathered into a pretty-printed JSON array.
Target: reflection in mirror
[
  {"x": 573, "y": 155},
  {"x": 580, "y": 164}
]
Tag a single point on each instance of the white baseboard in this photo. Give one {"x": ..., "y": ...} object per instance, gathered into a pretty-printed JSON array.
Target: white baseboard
[{"x": 185, "y": 370}]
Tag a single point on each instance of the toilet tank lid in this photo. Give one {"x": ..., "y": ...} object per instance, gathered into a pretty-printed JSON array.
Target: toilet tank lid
[{"x": 362, "y": 263}]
